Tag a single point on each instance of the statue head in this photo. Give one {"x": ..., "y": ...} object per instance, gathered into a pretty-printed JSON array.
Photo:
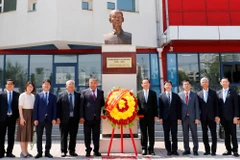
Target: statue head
[{"x": 116, "y": 18}]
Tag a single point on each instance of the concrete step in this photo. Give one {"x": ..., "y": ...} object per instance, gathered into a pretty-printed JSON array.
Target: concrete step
[{"x": 159, "y": 133}]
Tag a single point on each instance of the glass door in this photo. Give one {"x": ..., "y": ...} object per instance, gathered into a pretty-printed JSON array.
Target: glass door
[
  {"x": 231, "y": 70},
  {"x": 63, "y": 73}
]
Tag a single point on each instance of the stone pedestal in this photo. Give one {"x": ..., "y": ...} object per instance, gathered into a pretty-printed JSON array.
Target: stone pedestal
[{"x": 118, "y": 70}]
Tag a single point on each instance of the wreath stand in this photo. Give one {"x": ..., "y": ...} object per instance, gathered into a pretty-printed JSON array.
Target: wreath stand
[{"x": 121, "y": 133}]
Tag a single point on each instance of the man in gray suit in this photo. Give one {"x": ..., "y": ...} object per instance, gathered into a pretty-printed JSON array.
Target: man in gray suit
[{"x": 190, "y": 117}]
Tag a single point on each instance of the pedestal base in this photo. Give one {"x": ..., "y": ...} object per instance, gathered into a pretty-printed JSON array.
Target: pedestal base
[{"x": 127, "y": 145}]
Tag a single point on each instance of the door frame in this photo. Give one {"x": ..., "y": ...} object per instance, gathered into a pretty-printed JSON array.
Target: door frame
[
  {"x": 228, "y": 63},
  {"x": 55, "y": 65}
]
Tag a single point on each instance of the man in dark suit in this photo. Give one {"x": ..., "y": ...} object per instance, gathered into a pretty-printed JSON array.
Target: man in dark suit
[
  {"x": 190, "y": 117},
  {"x": 68, "y": 105},
  {"x": 92, "y": 101},
  {"x": 229, "y": 114},
  {"x": 170, "y": 115},
  {"x": 45, "y": 115},
  {"x": 8, "y": 116},
  {"x": 147, "y": 102},
  {"x": 208, "y": 105}
]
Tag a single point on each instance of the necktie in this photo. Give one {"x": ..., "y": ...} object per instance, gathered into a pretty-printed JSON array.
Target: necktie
[
  {"x": 71, "y": 103},
  {"x": 225, "y": 95},
  {"x": 146, "y": 96},
  {"x": 169, "y": 100},
  {"x": 10, "y": 103},
  {"x": 93, "y": 94},
  {"x": 205, "y": 96},
  {"x": 186, "y": 98},
  {"x": 187, "y": 102},
  {"x": 46, "y": 98}
]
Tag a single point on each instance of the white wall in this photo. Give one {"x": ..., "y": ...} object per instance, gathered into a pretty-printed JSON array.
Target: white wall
[{"x": 64, "y": 21}]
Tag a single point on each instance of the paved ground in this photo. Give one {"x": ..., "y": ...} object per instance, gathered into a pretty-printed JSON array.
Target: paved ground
[{"x": 159, "y": 150}]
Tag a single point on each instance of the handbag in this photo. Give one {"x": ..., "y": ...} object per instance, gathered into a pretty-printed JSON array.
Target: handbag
[{"x": 221, "y": 132}]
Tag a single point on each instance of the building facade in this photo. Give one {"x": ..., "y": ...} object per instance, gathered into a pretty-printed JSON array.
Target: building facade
[
  {"x": 62, "y": 39},
  {"x": 201, "y": 38},
  {"x": 175, "y": 40}
]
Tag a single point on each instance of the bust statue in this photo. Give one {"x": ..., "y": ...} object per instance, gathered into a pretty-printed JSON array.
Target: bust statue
[{"x": 117, "y": 36}]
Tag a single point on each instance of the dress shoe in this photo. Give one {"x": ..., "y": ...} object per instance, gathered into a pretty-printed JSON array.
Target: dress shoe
[
  {"x": 48, "y": 155},
  {"x": 169, "y": 153},
  {"x": 151, "y": 152},
  {"x": 73, "y": 154},
  {"x": 97, "y": 154},
  {"x": 23, "y": 156},
  {"x": 38, "y": 155},
  {"x": 29, "y": 155},
  {"x": 195, "y": 153},
  {"x": 213, "y": 154},
  {"x": 88, "y": 154},
  {"x": 186, "y": 153},
  {"x": 226, "y": 153},
  {"x": 175, "y": 153},
  {"x": 144, "y": 152},
  {"x": 10, "y": 155},
  {"x": 236, "y": 154},
  {"x": 63, "y": 154},
  {"x": 206, "y": 153}
]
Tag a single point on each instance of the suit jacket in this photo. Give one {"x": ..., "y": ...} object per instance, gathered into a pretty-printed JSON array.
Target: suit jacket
[
  {"x": 4, "y": 105},
  {"x": 170, "y": 111},
  {"x": 209, "y": 110},
  {"x": 192, "y": 107},
  {"x": 40, "y": 105},
  {"x": 149, "y": 109},
  {"x": 229, "y": 109},
  {"x": 63, "y": 106},
  {"x": 89, "y": 106}
]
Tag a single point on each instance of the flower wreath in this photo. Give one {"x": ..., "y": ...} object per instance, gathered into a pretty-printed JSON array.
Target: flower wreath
[{"x": 121, "y": 107}]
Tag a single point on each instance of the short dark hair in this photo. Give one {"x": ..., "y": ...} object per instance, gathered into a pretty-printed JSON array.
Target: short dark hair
[
  {"x": 168, "y": 81},
  {"x": 146, "y": 79},
  {"x": 10, "y": 81},
  {"x": 46, "y": 80},
  {"x": 185, "y": 81},
  {"x": 30, "y": 83},
  {"x": 224, "y": 78}
]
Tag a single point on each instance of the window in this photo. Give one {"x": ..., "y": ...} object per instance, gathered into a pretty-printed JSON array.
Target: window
[
  {"x": 87, "y": 4},
  {"x": 32, "y": 5},
  {"x": 188, "y": 68},
  {"x": 143, "y": 68},
  {"x": 210, "y": 67},
  {"x": 126, "y": 5},
  {"x": 17, "y": 70},
  {"x": 1, "y": 70},
  {"x": 110, "y": 5},
  {"x": 65, "y": 59},
  {"x": 89, "y": 67},
  {"x": 40, "y": 68},
  {"x": 1, "y": 6},
  {"x": 8, "y": 5}
]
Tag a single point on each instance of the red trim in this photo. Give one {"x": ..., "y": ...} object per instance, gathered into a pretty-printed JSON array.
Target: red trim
[
  {"x": 84, "y": 51},
  {"x": 147, "y": 50},
  {"x": 77, "y": 51},
  {"x": 207, "y": 46}
]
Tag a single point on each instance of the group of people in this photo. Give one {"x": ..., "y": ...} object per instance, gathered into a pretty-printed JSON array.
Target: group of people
[
  {"x": 43, "y": 110},
  {"x": 70, "y": 108},
  {"x": 190, "y": 109}
]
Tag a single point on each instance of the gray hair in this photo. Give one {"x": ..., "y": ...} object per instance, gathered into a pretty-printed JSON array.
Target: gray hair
[
  {"x": 204, "y": 78},
  {"x": 70, "y": 81}
]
